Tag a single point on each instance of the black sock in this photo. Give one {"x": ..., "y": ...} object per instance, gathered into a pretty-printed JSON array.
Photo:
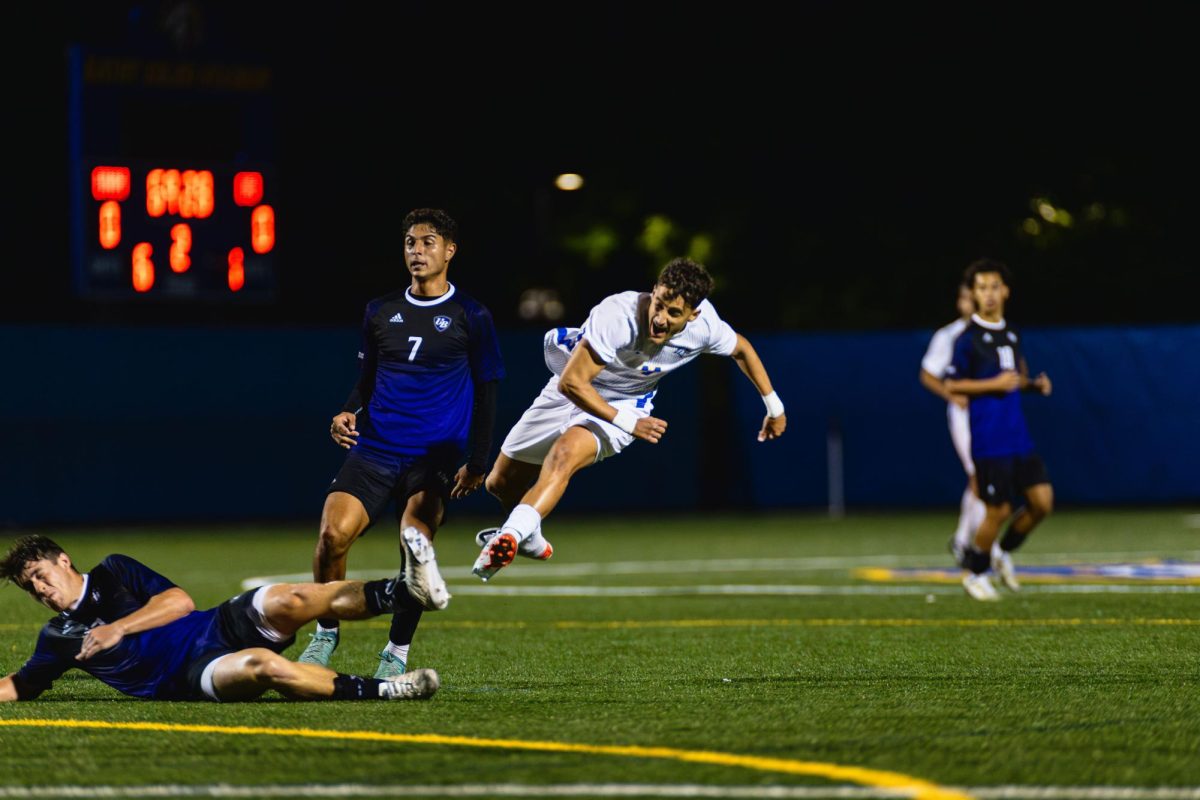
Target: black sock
[
  {"x": 353, "y": 687},
  {"x": 1011, "y": 540},
  {"x": 404, "y": 625},
  {"x": 379, "y": 595},
  {"x": 327, "y": 623},
  {"x": 976, "y": 561}
]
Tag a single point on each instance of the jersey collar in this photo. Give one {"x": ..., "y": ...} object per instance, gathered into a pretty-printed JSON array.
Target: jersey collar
[
  {"x": 983, "y": 323},
  {"x": 82, "y": 593},
  {"x": 433, "y": 301}
]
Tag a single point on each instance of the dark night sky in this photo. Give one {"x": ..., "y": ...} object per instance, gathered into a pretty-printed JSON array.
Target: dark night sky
[{"x": 848, "y": 162}]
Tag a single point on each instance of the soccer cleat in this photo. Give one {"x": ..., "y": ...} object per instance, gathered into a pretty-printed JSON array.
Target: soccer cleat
[
  {"x": 390, "y": 666},
  {"x": 541, "y": 549},
  {"x": 320, "y": 649},
  {"x": 979, "y": 587},
  {"x": 415, "y": 685},
  {"x": 1007, "y": 572},
  {"x": 497, "y": 554},
  {"x": 421, "y": 574}
]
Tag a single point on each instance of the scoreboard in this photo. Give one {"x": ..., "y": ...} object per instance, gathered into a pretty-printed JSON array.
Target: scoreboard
[{"x": 172, "y": 189}]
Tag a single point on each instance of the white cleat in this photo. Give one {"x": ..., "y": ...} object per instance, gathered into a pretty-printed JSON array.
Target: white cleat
[
  {"x": 421, "y": 573},
  {"x": 1007, "y": 572},
  {"x": 496, "y": 554},
  {"x": 980, "y": 587},
  {"x": 416, "y": 685},
  {"x": 535, "y": 546}
]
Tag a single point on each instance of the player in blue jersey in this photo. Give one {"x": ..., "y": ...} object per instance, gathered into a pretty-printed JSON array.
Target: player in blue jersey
[
  {"x": 133, "y": 629},
  {"x": 989, "y": 367},
  {"x": 429, "y": 367}
]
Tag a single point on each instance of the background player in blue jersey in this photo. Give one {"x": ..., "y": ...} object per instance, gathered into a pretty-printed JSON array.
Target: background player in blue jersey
[
  {"x": 989, "y": 367},
  {"x": 429, "y": 366},
  {"x": 138, "y": 632}
]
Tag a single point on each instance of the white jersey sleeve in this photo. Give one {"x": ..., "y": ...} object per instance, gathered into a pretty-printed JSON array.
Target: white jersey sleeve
[
  {"x": 721, "y": 338},
  {"x": 941, "y": 348},
  {"x": 612, "y": 326}
]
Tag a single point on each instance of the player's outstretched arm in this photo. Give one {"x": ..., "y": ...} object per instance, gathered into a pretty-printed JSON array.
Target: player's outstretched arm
[
  {"x": 8, "y": 689},
  {"x": 161, "y": 609},
  {"x": 775, "y": 422},
  {"x": 576, "y": 385}
]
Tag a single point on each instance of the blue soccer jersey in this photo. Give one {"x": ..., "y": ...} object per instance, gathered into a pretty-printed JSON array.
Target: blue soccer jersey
[
  {"x": 420, "y": 361},
  {"x": 147, "y": 664},
  {"x": 982, "y": 351}
]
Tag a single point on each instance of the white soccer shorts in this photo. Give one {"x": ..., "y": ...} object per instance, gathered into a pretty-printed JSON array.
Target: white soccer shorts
[{"x": 552, "y": 414}]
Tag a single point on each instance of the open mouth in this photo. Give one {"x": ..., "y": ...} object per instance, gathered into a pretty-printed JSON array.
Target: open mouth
[{"x": 657, "y": 331}]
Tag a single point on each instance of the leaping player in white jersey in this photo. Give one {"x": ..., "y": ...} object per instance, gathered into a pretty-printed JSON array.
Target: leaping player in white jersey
[
  {"x": 933, "y": 370},
  {"x": 600, "y": 397}
]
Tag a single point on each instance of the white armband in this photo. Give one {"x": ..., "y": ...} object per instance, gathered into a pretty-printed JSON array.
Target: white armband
[
  {"x": 625, "y": 420},
  {"x": 774, "y": 405}
]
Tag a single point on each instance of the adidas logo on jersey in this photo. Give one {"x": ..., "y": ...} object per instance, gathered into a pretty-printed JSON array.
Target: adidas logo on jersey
[{"x": 396, "y": 317}]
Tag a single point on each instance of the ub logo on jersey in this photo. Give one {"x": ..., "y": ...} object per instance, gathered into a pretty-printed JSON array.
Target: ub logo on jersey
[
  {"x": 441, "y": 322},
  {"x": 987, "y": 337}
]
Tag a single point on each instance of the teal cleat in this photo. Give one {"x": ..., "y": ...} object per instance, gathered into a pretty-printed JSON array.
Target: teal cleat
[
  {"x": 320, "y": 649},
  {"x": 389, "y": 666}
]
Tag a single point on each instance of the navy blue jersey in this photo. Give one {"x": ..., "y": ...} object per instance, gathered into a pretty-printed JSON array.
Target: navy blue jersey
[
  {"x": 420, "y": 361},
  {"x": 983, "y": 351},
  {"x": 147, "y": 664}
]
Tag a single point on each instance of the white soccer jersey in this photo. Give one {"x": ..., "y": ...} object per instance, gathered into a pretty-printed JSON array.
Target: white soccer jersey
[
  {"x": 937, "y": 359},
  {"x": 616, "y": 331},
  {"x": 941, "y": 348}
]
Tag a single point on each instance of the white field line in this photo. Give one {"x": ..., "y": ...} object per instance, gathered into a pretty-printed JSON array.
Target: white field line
[
  {"x": 726, "y": 565},
  {"x": 596, "y": 790}
]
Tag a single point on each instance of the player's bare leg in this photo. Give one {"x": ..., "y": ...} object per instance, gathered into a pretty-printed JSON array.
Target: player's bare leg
[
  {"x": 248, "y": 673},
  {"x": 1039, "y": 503},
  {"x": 343, "y": 519},
  {"x": 508, "y": 482},
  {"x": 572, "y": 451}
]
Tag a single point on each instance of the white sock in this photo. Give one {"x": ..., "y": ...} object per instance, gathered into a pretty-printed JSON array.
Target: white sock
[
  {"x": 322, "y": 629},
  {"x": 400, "y": 651},
  {"x": 535, "y": 543},
  {"x": 522, "y": 522},
  {"x": 965, "y": 531}
]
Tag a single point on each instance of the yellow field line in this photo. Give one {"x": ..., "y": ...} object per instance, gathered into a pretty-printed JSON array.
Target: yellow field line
[{"x": 915, "y": 787}]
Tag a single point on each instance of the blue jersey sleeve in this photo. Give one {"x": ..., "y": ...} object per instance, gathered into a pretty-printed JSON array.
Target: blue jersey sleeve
[
  {"x": 368, "y": 351},
  {"x": 44, "y": 667},
  {"x": 486, "y": 362},
  {"x": 141, "y": 581}
]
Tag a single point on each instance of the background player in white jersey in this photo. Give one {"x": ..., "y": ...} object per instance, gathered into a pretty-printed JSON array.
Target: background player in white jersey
[
  {"x": 600, "y": 398},
  {"x": 933, "y": 370}
]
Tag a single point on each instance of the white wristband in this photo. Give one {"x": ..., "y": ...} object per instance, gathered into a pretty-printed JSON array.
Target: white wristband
[
  {"x": 625, "y": 420},
  {"x": 774, "y": 405}
]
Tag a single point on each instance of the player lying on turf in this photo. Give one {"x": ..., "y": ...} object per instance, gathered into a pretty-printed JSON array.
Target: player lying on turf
[
  {"x": 138, "y": 632},
  {"x": 600, "y": 397}
]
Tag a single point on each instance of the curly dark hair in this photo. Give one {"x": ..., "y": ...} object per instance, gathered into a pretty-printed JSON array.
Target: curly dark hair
[
  {"x": 685, "y": 278},
  {"x": 981, "y": 265},
  {"x": 25, "y": 550},
  {"x": 435, "y": 218}
]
